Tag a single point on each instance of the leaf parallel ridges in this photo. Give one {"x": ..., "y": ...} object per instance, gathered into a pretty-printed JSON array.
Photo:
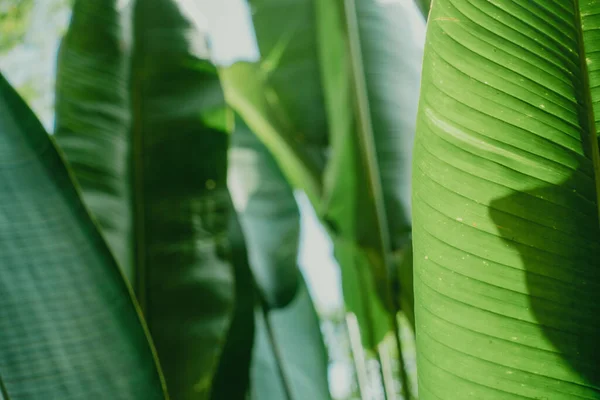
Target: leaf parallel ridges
[
  {"x": 137, "y": 172},
  {"x": 366, "y": 134},
  {"x": 456, "y": 105},
  {"x": 3, "y": 391}
]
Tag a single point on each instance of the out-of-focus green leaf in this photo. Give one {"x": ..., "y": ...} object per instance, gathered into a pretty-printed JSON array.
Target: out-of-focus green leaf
[
  {"x": 179, "y": 151},
  {"x": 248, "y": 92},
  {"x": 404, "y": 284},
  {"x": 365, "y": 185},
  {"x": 506, "y": 183},
  {"x": 371, "y": 90},
  {"x": 302, "y": 352},
  {"x": 280, "y": 96},
  {"x": 93, "y": 117},
  {"x": 15, "y": 16},
  {"x": 287, "y": 40},
  {"x": 269, "y": 216},
  {"x": 236, "y": 358},
  {"x": 424, "y": 6},
  {"x": 392, "y": 79},
  {"x": 271, "y": 221},
  {"x": 170, "y": 153},
  {"x": 69, "y": 328}
]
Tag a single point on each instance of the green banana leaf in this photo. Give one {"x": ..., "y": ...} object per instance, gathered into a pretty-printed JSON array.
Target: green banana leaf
[
  {"x": 168, "y": 153},
  {"x": 280, "y": 96},
  {"x": 69, "y": 327},
  {"x": 301, "y": 352},
  {"x": 367, "y": 182},
  {"x": 297, "y": 38},
  {"x": 271, "y": 222},
  {"x": 505, "y": 200},
  {"x": 269, "y": 216},
  {"x": 93, "y": 117},
  {"x": 249, "y": 94}
]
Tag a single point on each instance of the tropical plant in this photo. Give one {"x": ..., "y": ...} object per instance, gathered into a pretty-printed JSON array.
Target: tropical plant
[
  {"x": 339, "y": 135},
  {"x": 132, "y": 124},
  {"x": 70, "y": 327},
  {"x": 142, "y": 122},
  {"x": 141, "y": 118},
  {"x": 506, "y": 202},
  {"x": 285, "y": 315}
]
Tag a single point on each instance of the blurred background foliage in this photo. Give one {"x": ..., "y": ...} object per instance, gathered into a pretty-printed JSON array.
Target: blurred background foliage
[{"x": 30, "y": 32}]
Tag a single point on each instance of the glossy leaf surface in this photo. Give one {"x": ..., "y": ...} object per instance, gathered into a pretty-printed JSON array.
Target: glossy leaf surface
[
  {"x": 168, "y": 152},
  {"x": 69, "y": 327},
  {"x": 93, "y": 116},
  {"x": 505, "y": 202}
]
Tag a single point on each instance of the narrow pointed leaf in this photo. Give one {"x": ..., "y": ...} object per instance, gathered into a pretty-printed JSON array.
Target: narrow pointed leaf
[
  {"x": 271, "y": 221},
  {"x": 269, "y": 215},
  {"x": 505, "y": 202},
  {"x": 302, "y": 351},
  {"x": 250, "y": 95},
  {"x": 280, "y": 96},
  {"x": 69, "y": 328},
  {"x": 371, "y": 90}
]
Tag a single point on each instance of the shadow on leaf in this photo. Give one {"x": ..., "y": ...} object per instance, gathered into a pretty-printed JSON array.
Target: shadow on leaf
[{"x": 555, "y": 231}]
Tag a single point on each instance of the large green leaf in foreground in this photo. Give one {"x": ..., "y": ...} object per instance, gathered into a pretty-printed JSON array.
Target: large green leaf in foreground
[
  {"x": 69, "y": 328},
  {"x": 506, "y": 234}
]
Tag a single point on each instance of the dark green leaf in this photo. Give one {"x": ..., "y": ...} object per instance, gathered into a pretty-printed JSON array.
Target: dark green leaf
[
  {"x": 300, "y": 345},
  {"x": 157, "y": 173},
  {"x": 184, "y": 275},
  {"x": 236, "y": 358},
  {"x": 93, "y": 117},
  {"x": 269, "y": 215},
  {"x": 69, "y": 328},
  {"x": 271, "y": 222}
]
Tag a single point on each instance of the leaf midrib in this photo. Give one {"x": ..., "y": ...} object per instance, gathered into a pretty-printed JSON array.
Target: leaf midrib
[{"x": 589, "y": 130}]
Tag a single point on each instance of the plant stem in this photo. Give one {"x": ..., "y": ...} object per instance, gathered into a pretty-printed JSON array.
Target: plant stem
[
  {"x": 358, "y": 355},
  {"x": 403, "y": 375},
  {"x": 385, "y": 363}
]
